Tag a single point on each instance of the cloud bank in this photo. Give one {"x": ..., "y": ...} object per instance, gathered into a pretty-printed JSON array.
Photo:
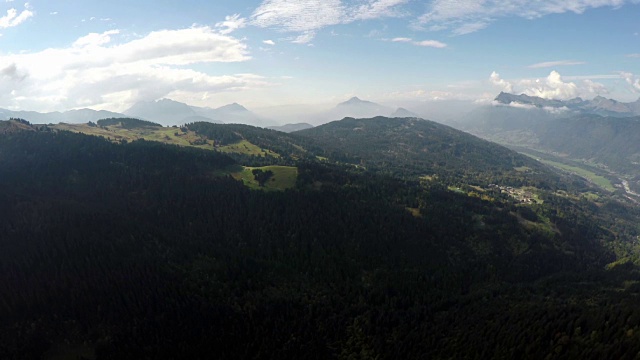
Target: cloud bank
[
  {"x": 549, "y": 64},
  {"x": 424, "y": 43},
  {"x": 553, "y": 86},
  {"x": 95, "y": 71}
]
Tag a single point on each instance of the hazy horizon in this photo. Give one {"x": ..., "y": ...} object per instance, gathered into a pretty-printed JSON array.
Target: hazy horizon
[{"x": 271, "y": 53}]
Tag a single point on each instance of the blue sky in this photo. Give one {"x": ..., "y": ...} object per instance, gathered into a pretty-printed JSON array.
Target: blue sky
[{"x": 59, "y": 55}]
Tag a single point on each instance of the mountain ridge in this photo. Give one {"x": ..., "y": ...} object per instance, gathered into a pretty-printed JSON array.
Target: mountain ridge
[
  {"x": 599, "y": 105},
  {"x": 170, "y": 112}
]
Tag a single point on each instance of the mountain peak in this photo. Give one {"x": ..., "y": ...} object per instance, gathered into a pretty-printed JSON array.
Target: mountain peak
[
  {"x": 354, "y": 101},
  {"x": 233, "y": 107},
  {"x": 403, "y": 113},
  {"x": 598, "y": 105}
]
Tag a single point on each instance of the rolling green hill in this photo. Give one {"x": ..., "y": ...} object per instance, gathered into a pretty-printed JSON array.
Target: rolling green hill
[{"x": 414, "y": 147}]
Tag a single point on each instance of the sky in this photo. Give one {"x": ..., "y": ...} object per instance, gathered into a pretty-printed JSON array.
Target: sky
[{"x": 58, "y": 55}]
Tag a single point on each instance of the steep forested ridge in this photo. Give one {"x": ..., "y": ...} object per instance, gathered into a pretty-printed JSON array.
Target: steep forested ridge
[{"x": 143, "y": 250}]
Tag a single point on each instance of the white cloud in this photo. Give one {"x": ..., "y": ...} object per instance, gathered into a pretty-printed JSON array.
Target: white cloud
[
  {"x": 468, "y": 28},
  {"x": 633, "y": 55},
  {"x": 95, "y": 39},
  {"x": 548, "y": 64},
  {"x": 431, "y": 43},
  {"x": 95, "y": 72},
  {"x": 467, "y": 16},
  {"x": 298, "y": 16},
  {"x": 269, "y": 42},
  {"x": 231, "y": 24},
  {"x": 504, "y": 85},
  {"x": 308, "y": 16},
  {"x": 374, "y": 9},
  {"x": 593, "y": 88},
  {"x": 556, "y": 110},
  {"x": 13, "y": 18},
  {"x": 305, "y": 38},
  {"x": 553, "y": 86},
  {"x": 514, "y": 105},
  {"x": 424, "y": 43},
  {"x": 632, "y": 80}
]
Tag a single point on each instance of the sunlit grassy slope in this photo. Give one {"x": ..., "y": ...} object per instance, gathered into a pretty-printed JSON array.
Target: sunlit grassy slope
[
  {"x": 284, "y": 177},
  {"x": 247, "y": 148},
  {"x": 168, "y": 135}
]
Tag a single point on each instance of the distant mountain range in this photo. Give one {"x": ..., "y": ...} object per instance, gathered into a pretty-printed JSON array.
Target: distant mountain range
[
  {"x": 170, "y": 112},
  {"x": 71, "y": 117},
  {"x": 598, "y": 106},
  {"x": 360, "y": 109},
  {"x": 165, "y": 112},
  {"x": 510, "y": 112}
]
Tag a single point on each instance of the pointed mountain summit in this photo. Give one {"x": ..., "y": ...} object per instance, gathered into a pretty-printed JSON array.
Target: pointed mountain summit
[
  {"x": 355, "y": 101},
  {"x": 233, "y": 114},
  {"x": 163, "y": 111},
  {"x": 357, "y": 108},
  {"x": 404, "y": 113},
  {"x": 170, "y": 112},
  {"x": 233, "y": 107}
]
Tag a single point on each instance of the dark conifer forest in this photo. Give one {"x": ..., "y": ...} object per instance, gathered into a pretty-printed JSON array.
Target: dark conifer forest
[{"x": 401, "y": 239}]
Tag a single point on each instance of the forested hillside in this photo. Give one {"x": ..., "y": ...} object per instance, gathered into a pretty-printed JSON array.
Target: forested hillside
[{"x": 144, "y": 250}]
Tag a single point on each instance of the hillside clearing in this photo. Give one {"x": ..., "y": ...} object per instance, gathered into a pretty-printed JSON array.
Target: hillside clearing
[{"x": 284, "y": 177}]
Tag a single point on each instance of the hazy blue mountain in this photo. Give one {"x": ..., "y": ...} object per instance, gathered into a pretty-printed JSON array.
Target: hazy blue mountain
[
  {"x": 170, "y": 112},
  {"x": 288, "y": 128},
  {"x": 72, "y": 116},
  {"x": 163, "y": 111},
  {"x": 234, "y": 114},
  {"x": 355, "y": 108},
  {"x": 404, "y": 113},
  {"x": 85, "y": 115}
]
